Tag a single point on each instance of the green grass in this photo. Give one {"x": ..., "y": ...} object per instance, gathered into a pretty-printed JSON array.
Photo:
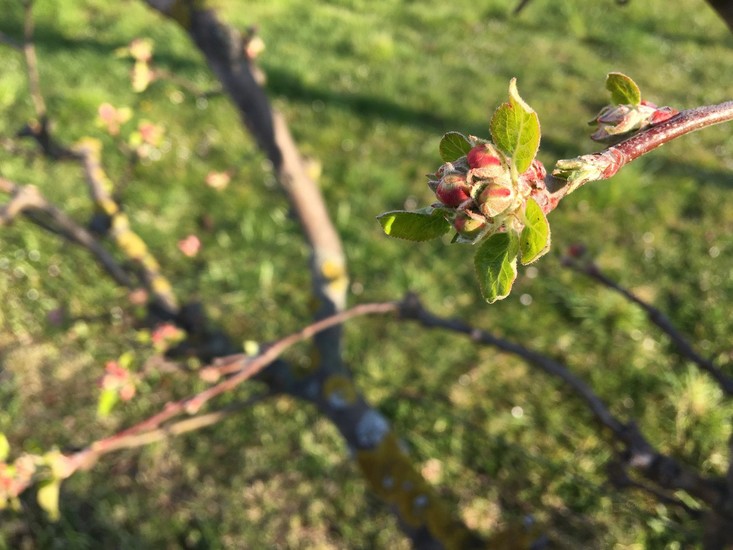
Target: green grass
[{"x": 369, "y": 88}]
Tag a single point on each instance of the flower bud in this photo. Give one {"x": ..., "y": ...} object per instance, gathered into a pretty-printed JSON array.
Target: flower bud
[
  {"x": 616, "y": 122},
  {"x": 662, "y": 114},
  {"x": 483, "y": 155},
  {"x": 468, "y": 226},
  {"x": 488, "y": 172},
  {"x": 453, "y": 190},
  {"x": 495, "y": 199}
]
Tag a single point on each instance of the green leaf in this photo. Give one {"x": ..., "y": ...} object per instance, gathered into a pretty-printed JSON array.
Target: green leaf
[
  {"x": 496, "y": 265},
  {"x": 454, "y": 146},
  {"x": 48, "y": 498},
  {"x": 623, "y": 89},
  {"x": 4, "y": 447},
  {"x": 107, "y": 400},
  {"x": 421, "y": 225},
  {"x": 534, "y": 241},
  {"x": 515, "y": 128}
]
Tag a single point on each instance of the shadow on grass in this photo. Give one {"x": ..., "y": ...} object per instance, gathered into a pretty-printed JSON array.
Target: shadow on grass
[
  {"x": 288, "y": 85},
  {"x": 49, "y": 40},
  {"x": 285, "y": 84}
]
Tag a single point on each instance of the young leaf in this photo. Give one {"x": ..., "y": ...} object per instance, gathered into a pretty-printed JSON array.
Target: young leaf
[
  {"x": 534, "y": 241},
  {"x": 453, "y": 146},
  {"x": 496, "y": 265},
  {"x": 421, "y": 225},
  {"x": 107, "y": 400},
  {"x": 48, "y": 498},
  {"x": 515, "y": 128},
  {"x": 623, "y": 89}
]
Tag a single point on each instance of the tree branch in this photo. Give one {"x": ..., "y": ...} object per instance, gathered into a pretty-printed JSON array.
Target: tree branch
[
  {"x": 412, "y": 308},
  {"x": 139, "y": 434},
  {"x": 28, "y": 200},
  {"x": 604, "y": 164},
  {"x": 129, "y": 242},
  {"x": 724, "y": 8},
  {"x": 223, "y": 48},
  {"x": 638, "y": 452},
  {"x": 684, "y": 348}
]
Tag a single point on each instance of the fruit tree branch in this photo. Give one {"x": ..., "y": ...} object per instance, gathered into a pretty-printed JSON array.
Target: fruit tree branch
[
  {"x": 684, "y": 347},
  {"x": 637, "y": 452},
  {"x": 223, "y": 48},
  {"x": 28, "y": 200},
  {"x": 571, "y": 174}
]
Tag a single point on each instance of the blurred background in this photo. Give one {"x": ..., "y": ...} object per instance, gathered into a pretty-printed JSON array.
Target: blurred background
[{"x": 368, "y": 89}]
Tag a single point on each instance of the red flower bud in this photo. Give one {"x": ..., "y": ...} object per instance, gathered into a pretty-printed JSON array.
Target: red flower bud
[
  {"x": 495, "y": 199},
  {"x": 662, "y": 114},
  {"x": 453, "y": 190},
  {"x": 482, "y": 155}
]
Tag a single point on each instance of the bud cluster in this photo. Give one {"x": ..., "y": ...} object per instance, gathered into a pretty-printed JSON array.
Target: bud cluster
[{"x": 481, "y": 193}]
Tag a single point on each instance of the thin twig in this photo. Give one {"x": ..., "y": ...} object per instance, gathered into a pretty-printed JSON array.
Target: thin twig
[
  {"x": 638, "y": 452},
  {"x": 660, "y": 320},
  {"x": 683, "y": 123},
  {"x": 609, "y": 161},
  {"x": 171, "y": 430},
  {"x": 28, "y": 200},
  {"x": 522, "y": 4},
  {"x": 620, "y": 478},
  {"x": 252, "y": 365},
  {"x": 129, "y": 242},
  {"x": 411, "y": 308}
]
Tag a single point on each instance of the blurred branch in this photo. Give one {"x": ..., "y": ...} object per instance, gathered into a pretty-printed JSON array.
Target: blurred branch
[
  {"x": 89, "y": 152},
  {"x": 29, "y": 51},
  {"x": 173, "y": 429},
  {"x": 659, "y": 319},
  {"x": 619, "y": 477},
  {"x": 638, "y": 453},
  {"x": 248, "y": 367},
  {"x": 522, "y": 4},
  {"x": 39, "y": 130},
  {"x": 413, "y": 309},
  {"x": 421, "y": 512},
  {"x": 724, "y": 9},
  {"x": 223, "y": 47},
  {"x": 385, "y": 465},
  {"x": 28, "y": 200}
]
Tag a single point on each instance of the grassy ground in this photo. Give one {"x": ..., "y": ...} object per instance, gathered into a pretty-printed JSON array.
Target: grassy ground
[{"x": 369, "y": 88}]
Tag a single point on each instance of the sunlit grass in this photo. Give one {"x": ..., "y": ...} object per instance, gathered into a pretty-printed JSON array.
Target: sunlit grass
[{"x": 369, "y": 88}]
